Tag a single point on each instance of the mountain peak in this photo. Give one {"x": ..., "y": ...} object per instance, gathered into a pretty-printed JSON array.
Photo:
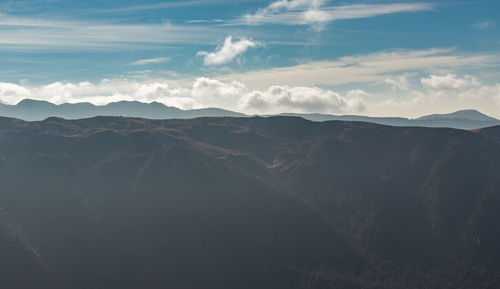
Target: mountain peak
[
  {"x": 468, "y": 114},
  {"x": 28, "y": 102}
]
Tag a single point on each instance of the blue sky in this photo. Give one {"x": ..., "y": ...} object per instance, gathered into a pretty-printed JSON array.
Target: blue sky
[{"x": 379, "y": 58}]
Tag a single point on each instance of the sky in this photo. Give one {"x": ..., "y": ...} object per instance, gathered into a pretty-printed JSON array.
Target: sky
[{"x": 376, "y": 58}]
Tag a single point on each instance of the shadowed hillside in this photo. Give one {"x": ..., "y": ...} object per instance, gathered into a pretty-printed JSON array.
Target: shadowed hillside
[{"x": 280, "y": 202}]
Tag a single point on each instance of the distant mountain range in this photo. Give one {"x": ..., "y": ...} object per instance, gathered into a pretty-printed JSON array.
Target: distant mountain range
[
  {"x": 35, "y": 110},
  {"x": 32, "y": 110},
  {"x": 251, "y": 202},
  {"x": 464, "y": 119}
]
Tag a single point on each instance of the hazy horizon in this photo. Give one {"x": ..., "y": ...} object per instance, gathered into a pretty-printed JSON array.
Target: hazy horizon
[{"x": 102, "y": 105}]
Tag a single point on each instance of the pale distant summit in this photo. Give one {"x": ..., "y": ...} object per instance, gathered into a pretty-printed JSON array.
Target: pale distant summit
[
  {"x": 467, "y": 114},
  {"x": 34, "y": 103},
  {"x": 463, "y": 119}
]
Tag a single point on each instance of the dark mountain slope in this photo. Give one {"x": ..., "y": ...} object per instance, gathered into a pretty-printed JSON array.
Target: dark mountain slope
[
  {"x": 281, "y": 202},
  {"x": 135, "y": 208},
  {"x": 21, "y": 264},
  {"x": 491, "y": 133}
]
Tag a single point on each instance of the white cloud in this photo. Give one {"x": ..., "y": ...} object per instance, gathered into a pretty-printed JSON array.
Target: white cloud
[
  {"x": 228, "y": 51},
  {"x": 449, "y": 81},
  {"x": 286, "y": 12},
  {"x": 13, "y": 93},
  {"x": 151, "y": 61},
  {"x": 300, "y": 99},
  {"x": 235, "y": 95},
  {"x": 212, "y": 88},
  {"x": 484, "y": 24},
  {"x": 314, "y": 12},
  {"x": 399, "y": 82}
]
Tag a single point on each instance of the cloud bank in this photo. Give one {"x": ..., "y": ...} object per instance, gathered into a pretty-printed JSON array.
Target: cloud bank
[
  {"x": 405, "y": 95},
  {"x": 278, "y": 99},
  {"x": 204, "y": 92}
]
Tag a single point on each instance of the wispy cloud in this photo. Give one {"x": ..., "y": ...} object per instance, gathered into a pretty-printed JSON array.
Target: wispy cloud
[
  {"x": 163, "y": 5},
  {"x": 203, "y": 21},
  {"x": 314, "y": 12},
  {"x": 152, "y": 61},
  {"x": 228, "y": 51},
  {"x": 31, "y": 33},
  {"x": 368, "y": 68},
  {"x": 152, "y": 6},
  {"x": 484, "y": 24}
]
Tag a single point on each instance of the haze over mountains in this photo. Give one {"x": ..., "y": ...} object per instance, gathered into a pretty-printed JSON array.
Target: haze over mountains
[
  {"x": 278, "y": 202},
  {"x": 33, "y": 110},
  {"x": 29, "y": 109}
]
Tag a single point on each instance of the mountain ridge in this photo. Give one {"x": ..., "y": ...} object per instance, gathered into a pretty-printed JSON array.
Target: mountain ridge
[
  {"x": 461, "y": 114},
  {"x": 36, "y": 110},
  {"x": 462, "y": 119}
]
